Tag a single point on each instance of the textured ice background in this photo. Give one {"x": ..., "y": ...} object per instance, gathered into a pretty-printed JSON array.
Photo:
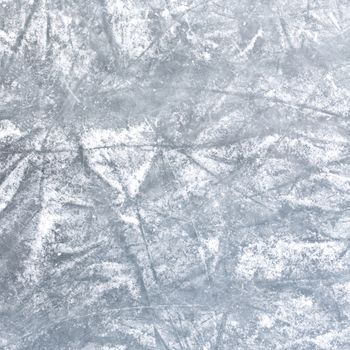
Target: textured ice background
[{"x": 175, "y": 175}]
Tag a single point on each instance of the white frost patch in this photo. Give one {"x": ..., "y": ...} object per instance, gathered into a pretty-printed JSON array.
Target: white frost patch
[
  {"x": 117, "y": 157},
  {"x": 46, "y": 223},
  {"x": 109, "y": 137},
  {"x": 258, "y": 146},
  {"x": 213, "y": 245},
  {"x": 8, "y": 130},
  {"x": 291, "y": 308},
  {"x": 138, "y": 177},
  {"x": 48, "y": 217},
  {"x": 92, "y": 346},
  {"x": 272, "y": 173},
  {"x": 10, "y": 185},
  {"x": 330, "y": 339},
  {"x": 7, "y": 40},
  {"x": 342, "y": 296},
  {"x": 265, "y": 321},
  {"x": 107, "y": 175},
  {"x": 341, "y": 229},
  {"x": 128, "y": 219},
  {"x": 316, "y": 155},
  {"x": 130, "y": 25},
  {"x": 74, "y": 60},
  {"x": 271, "y": 260},
  {"x": 304, "y": 302},
  {"x": 341, "y": 181},
  {"x": 165, "y": 13},
  {"x": 192, "y": 178},
  {"x": 342, "y": 291}
]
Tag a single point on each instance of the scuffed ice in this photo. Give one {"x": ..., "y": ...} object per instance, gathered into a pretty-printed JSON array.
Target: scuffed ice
[{"x": 175, "y": 175}]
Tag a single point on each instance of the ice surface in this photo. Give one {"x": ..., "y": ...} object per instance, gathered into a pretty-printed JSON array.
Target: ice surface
[{"x": 174, "y": 175}]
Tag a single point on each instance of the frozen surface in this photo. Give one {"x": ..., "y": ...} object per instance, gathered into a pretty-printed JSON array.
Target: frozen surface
[{"x": 175, "y": 175}]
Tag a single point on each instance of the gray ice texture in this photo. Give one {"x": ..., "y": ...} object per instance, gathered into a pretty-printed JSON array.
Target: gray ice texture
[{"x": 174, "y": 174}]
